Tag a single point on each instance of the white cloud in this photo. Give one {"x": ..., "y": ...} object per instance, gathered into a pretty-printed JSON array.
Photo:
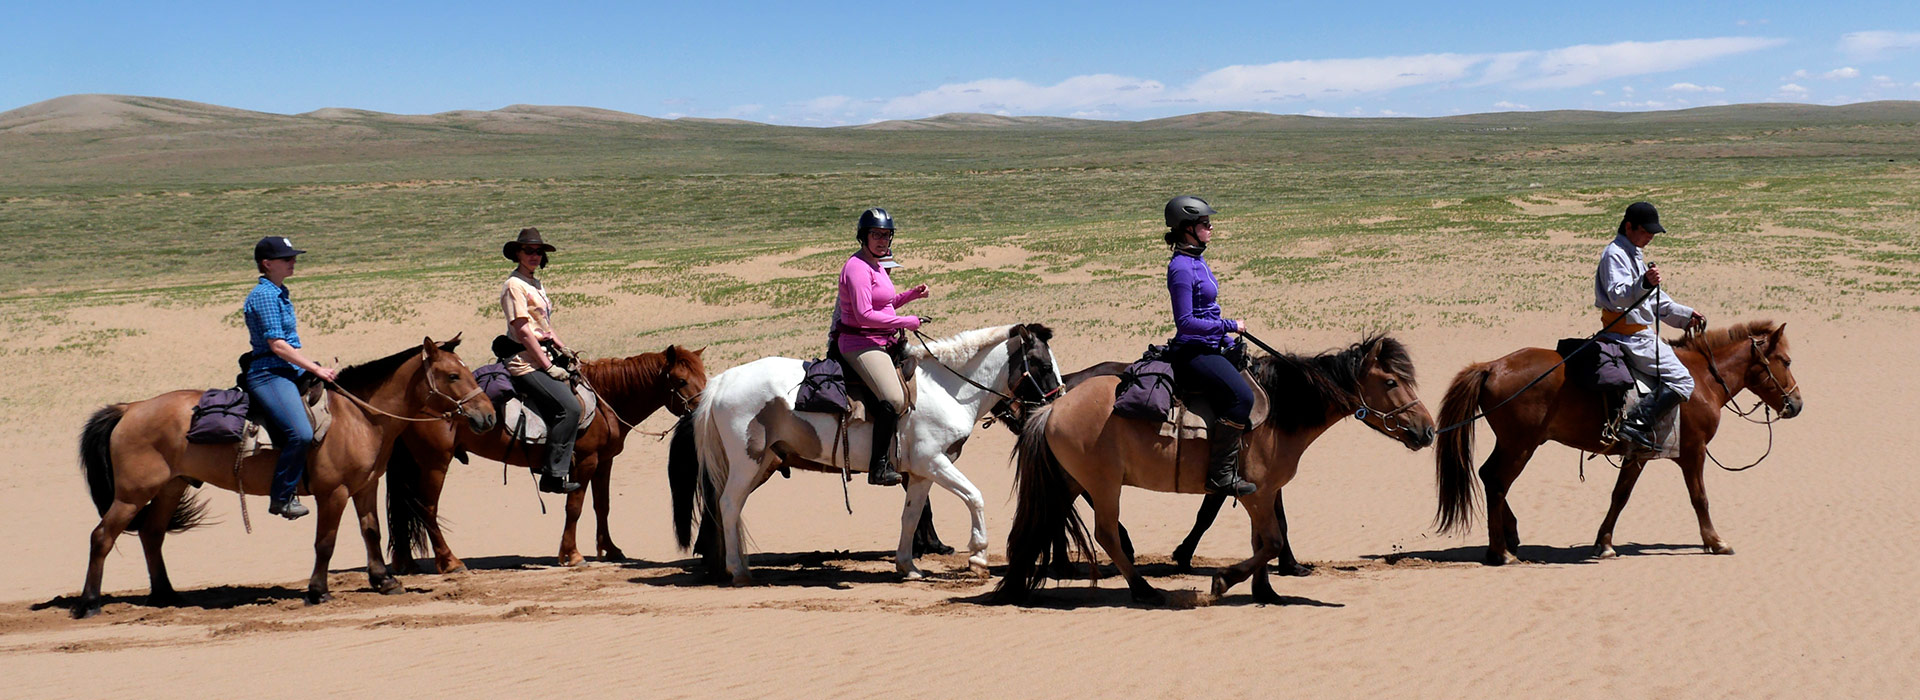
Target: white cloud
[
  {"x": 1793, "y": 89},
  {"x": 1802, "y": 73},
  {"x": 1868, "y": 46},
  {"x": 1503, "y": 104},
  {"x": 1599, "y": 93},
  {"x": 1690, "y": 87},
  {"x": 1841, "y": 73},
  {"x": 1626, "y": 89},
  {"x": 1648, "y": 104},
  {"x": 1308, "y": 81}
]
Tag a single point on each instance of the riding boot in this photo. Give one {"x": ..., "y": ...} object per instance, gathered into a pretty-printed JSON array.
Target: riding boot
[
  {"x": 1638, "y": 427},
  {"x": 1223, "y": 461},
  {"x": 562, "y": 482},
  {"x": 880, "y": 470}
]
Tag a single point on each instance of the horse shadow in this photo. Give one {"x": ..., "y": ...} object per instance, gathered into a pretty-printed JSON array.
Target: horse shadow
[
  {"x": 798, "y": 569},
  {"x": 214, "y": 598},
  {"x": 1579, "y": 554},
  {"x": 1071, "y": 590}
]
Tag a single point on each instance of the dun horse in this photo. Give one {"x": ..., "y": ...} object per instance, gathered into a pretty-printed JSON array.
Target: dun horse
[
  {"x": 1078, "y": 446},
  {"x": 139, "y": 465},
  {"x": 1750, "y": 356},
  {"x": 630, "y": 389}
]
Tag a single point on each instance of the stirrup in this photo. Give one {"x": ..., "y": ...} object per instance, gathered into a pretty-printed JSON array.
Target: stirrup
[{"x": 883, "y": 474}]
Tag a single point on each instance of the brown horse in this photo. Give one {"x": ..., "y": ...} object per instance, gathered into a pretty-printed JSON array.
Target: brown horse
[
  {"x": 630, "y": 389},
  {"x": 139, "y": 465},
  {"x": 1078, "y": 446},
  {"x": 1750, "y": 356}
]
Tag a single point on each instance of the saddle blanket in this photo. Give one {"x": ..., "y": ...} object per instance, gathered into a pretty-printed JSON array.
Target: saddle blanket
[
  {"x": 1188, "y": 418},
  {"x": 256, "y": 438}
]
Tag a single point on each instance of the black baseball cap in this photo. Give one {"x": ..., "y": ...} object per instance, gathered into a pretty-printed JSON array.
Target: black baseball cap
[
  {"x": 1643, "y": 214},
  {"x": 273, "y": 247}
]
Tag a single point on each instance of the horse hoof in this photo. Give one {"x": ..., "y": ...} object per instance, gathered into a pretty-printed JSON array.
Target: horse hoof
[
  {"x": 912, "y": 575},
  {"x": 978, "y": 563},
  {"x": 741, "y": 580},
  {"x": 1220, "y": 586},
  {"x": 1266, "y": 597},
  {"x": 612, "y": 554},
  {"x": 1297, "y": 569},
  {"x": 391, "y": 586},
  {"x": 457, "y": 567},
  {"x": 1150, "y": 596},
  {"x": 1501, "y": 559},
  {"x": 83, "y": 611},
  {"x": 1721, "y": 548},
  {"x": 572, "y": 561},
  {"x": 319, "y": 597}
]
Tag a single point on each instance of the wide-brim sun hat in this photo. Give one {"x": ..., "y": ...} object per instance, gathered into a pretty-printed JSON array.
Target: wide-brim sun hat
[{"x": 529, "y": 237}]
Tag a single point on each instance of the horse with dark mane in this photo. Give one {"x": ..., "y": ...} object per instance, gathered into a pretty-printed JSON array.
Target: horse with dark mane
[
  {"x": 1750, "y": 356},
  {"x": 630, "y": 389},
  {"x": 1079, "y": 446},
  {"x": 139, "y": 465}
]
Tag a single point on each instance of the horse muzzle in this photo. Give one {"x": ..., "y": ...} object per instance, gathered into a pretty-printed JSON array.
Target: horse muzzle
[
  {"x": 1794, "y": 405},
  {"x": 481, "y": 421}
]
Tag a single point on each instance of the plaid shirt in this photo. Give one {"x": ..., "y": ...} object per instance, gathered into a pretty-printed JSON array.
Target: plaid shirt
[{"x": 269, "y": 313}]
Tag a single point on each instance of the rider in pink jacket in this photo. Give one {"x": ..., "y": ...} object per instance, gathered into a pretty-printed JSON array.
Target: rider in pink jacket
[{"x": 865, "y": 324}]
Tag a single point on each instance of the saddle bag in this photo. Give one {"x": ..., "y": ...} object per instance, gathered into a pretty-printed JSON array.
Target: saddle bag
[
  {"x": 220, "y": 417},
  {"x": 495, "y": 383},
  {"x": 1601, "y": 366},
  {"x": 824, "y": 388},
  {"x": 1145, "y": 391}
]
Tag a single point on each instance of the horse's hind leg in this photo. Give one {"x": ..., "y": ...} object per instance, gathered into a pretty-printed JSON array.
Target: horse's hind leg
[
  {"x": 925, "y": 539},
  {"x": 153, "y": 532},
  {"x": 368, "y": 509},
  {"x": 1622, "y": 490},
  {"x": 1497, "y": 475},
  {"x": 114, "y": 522},
  {"x": 327, "y": 531},
  {"x": 1106, "y": 530},
  {"x": 1202, "y": 520},
  {"x": 1693, "y": 468},
  {"x": 602, "y": 501}
]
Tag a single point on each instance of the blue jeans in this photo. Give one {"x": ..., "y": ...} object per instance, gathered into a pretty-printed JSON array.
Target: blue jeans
[
  {"x": 277, "y": 402},
  {"x": 1202, "y": 370}
]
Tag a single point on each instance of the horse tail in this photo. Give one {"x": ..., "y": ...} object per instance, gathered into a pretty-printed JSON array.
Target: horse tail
[
  {"x": 1045, "y": 509},
  {"x": 1453, "y": 457},
  {"x": 406, "y": 504},
  {"x": 96, "y": 454},
  {"x": 683, "y": 476},
  {"x": 96, "y": 460}
]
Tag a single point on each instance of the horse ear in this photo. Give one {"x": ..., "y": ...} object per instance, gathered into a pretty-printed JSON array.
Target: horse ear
[
  {"x": 426, "y": 349},
  {"x": 1045, "y": 333},
  {"x": 1774, "y": 338},
  {"x": 450, "y": 345},
  {"x": 697, "y": 353}
]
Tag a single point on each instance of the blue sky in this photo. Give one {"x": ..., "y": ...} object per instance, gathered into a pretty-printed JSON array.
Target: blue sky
[{"x": 829, "y": 63}]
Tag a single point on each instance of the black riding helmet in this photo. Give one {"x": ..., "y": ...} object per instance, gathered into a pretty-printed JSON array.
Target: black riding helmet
[
  {"x": 1186, "y": 209},
  {"x": 872, "y": 218}
]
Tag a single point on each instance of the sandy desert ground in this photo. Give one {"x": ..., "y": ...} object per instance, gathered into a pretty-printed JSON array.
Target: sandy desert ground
[{"x": 1819, "y": 599}]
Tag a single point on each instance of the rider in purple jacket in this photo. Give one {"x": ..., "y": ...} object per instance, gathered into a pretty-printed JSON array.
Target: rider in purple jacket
[{"x": 1200, "y": 340}]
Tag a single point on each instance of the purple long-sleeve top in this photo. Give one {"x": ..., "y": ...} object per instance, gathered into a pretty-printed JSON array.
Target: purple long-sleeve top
[
  {"x": 865, "y": 311},
  {"x": 1196, "y": 314}
]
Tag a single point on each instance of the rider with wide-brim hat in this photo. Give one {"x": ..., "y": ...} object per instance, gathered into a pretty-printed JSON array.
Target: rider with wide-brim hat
[
  {"x": 537, "y": 370},
  {"x": 274, "y": 366},
  {"x": 866, "y": 324},
  {"x": 1200, "y": 344},
  {"x": 1623, "y": 277}
]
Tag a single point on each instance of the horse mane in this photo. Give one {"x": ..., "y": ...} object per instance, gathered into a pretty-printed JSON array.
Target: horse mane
[
  {"x": 363, "y": 377},
  {"x": 961, "y": 347},
  {"x": 621, "y": 376},
  {"x": 1705, "y": 343},
  {"x": 1302, "y": 391}
]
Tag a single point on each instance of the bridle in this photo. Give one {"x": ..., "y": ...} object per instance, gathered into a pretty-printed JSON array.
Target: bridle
[
  {"x": 1766, "y": 363},
  {"x": 1003, "y": 409},
  {"x": 1391, "y": 422},
  {"x": 459, "y": 404}
]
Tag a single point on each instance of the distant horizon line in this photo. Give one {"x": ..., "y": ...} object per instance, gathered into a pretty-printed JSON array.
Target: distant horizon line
[{"x": 530, "y": 107}]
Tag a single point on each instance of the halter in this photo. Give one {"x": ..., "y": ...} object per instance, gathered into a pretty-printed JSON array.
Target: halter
[
  {"x": 1767, "y": 418},
  {"x": 1026, "y": 376},
  {"x": 1397, "y": 426}
]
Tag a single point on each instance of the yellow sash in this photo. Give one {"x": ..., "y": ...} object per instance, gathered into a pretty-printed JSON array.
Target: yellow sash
[{"x": 1607, "y": 317}]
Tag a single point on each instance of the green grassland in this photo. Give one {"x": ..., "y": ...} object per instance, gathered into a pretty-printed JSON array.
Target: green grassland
[{"x": 1321, "y": 215}]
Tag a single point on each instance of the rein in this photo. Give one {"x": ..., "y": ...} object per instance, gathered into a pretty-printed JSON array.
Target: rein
[
  {"x": 1364, "y": 410},
  {"x": 1767, "y": 417},
  {"x": 632, "y": 426},
  {"x": 1026, "y": 375},
  {"x": 449, "y": 414}
]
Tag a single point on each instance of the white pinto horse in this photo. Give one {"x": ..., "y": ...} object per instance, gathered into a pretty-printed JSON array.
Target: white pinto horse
[{"x": 745, "y": 428}]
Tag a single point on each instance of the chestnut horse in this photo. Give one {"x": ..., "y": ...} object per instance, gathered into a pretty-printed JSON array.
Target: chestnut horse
[
  {"x": 630, "y": 390},
  {"x": 1750, "y": 356},
  {"x": 139, "y": 465},
  {"x": 1078, "y": 446}
]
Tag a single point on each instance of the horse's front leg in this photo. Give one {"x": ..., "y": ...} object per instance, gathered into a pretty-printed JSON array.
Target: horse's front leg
[
  {"x": 917, "y": 489},
  {"x": 332, "y": 504},
  {"x": 367, "y": 508},
  {"x": 942, "y": 471},
  {"x": 1693, "y": 468},
  {"x": 602, "y": 502},
  {"x": 576, "y": 502}
]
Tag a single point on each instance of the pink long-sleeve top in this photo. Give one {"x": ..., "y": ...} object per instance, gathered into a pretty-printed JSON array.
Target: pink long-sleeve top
[{"x": 866, "y": 308}]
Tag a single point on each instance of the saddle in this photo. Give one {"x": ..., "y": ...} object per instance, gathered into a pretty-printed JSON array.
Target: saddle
[
  {"x": 1601, "y": 367},
  {"x": 523, "y": 425},
  {"x": 829, "y": 388},
  {"x": 1147, "y": 391},
  {"x": 255, "y": 438}
]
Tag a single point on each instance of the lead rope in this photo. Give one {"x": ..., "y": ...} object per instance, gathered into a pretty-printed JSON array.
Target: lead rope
[{"x": 241, "y": 488}]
